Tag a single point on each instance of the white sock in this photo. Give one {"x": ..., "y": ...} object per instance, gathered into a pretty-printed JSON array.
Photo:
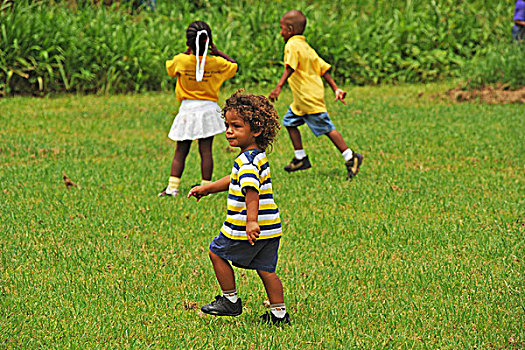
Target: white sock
[
  {"x": 173, "y": 184},
  {"x": 278, "y": 310},
  {"x": 299, "y": 154},
  {"x": 231, "y": 295},
  {"x": 347, "y": 155}
]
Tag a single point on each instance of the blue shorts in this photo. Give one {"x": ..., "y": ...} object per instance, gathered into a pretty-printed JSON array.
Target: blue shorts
[
  {"x": 319, "y": 123},
  {"x": 261, "y": 256}
]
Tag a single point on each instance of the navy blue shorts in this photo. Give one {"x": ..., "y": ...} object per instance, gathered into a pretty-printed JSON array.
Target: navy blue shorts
[
  {"x": 260, "y": 256},
  {"x": 319, "y": 123}
]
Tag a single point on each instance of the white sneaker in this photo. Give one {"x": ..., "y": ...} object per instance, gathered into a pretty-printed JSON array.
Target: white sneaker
[{"x": 168, "y": 192}]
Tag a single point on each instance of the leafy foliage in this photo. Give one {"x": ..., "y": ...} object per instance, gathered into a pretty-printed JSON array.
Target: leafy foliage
[
  {"x": 502, "y": 65},
  {"x": 51, "y": 47}
]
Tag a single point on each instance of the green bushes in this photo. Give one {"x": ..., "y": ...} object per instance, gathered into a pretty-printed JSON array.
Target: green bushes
[
  {"x": 504, "y": 65},
  {"x": 53, "y": 49},
  {"x": 48, "y": 47}
]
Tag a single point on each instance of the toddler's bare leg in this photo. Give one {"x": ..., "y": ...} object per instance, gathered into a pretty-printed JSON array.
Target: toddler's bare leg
[
  {"x": 337, "y": 139},
  {"x": 273, "y": 286},
  {"x": 205, "y": 150},
  {"x": 295, "y": 136},
  {"x": 223, "y": 272},
  {"x": 179, "y": 159}
]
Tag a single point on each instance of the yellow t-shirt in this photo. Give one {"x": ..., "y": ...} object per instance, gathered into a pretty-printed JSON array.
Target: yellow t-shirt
[
  {"x": 216, "y": 71},
  {"x": 306, "y": 83}
]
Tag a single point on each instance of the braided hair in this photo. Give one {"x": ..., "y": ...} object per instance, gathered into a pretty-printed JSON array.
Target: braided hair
[{"x": 191, "y": 35}]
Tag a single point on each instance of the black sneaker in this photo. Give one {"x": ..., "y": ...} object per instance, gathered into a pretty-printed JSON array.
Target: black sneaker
[
  {"x": 221, "y": 306},
  {"x": 271, "y": 318},
  {"x": 353, "y": 165},
  {"x": 298, "y": 164}
]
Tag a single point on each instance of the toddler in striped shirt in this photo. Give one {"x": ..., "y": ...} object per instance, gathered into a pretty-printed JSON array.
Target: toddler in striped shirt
[{"x": 251, "y": 233}]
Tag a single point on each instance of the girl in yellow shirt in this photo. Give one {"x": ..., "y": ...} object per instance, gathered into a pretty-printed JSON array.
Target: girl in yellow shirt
[{"x": 199, "y": 78}]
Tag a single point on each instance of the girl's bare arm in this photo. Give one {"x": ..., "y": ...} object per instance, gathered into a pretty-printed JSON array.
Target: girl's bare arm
[{"x": 215, "y": 51}]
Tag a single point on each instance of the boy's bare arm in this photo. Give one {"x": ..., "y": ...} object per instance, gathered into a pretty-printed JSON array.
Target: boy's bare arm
[
  {"x": 214, "y": 187},
  {"x": 252, "y": 215},
  {"x": 275, "y": 92},
  {"x": 339, "y": 94}
]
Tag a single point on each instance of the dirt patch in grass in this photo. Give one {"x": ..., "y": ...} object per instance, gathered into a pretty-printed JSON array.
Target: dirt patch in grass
[{"x": 487, "y": 94}]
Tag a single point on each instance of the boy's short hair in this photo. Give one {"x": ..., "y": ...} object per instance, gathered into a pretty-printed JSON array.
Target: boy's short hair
[
  {"x": 257, "y": 111},
  {"x": 297, "y": 20}
]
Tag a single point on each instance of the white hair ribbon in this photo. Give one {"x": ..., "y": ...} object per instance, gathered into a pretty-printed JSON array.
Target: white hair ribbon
[{"x": 199, "y": 68}]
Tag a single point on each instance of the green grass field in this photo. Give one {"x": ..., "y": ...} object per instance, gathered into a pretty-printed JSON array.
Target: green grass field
[{"x": 424, "y": 249}]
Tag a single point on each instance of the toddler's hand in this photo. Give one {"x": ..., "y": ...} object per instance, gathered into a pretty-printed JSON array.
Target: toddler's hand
[
  {"x": 252, "y": 231},
  {"x": 340, "y": 96},
  {"x": 274, "y": 94},
  {"x": 198, "y": 192}
]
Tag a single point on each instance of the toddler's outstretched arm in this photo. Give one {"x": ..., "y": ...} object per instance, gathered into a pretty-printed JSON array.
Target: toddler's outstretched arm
[
  {"x": 275, "y": 92},
  {"x": 216, "y": 186},
  {"x": 339, "y": 94}
]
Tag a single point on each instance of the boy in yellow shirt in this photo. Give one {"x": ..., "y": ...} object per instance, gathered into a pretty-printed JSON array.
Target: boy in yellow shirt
[{"x": 303, "y": 71}]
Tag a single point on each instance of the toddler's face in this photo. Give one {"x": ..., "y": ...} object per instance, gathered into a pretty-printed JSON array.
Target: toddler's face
[{"x": 239, "y": 133}]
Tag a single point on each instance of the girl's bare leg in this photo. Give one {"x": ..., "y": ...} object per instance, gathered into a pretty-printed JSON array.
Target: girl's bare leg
[
  {"x": 205, "y": 150},
  {"x": 179, "y": 159}
]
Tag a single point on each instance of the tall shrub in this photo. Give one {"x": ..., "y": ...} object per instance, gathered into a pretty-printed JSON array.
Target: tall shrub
[{"x": 48, "y": 46}]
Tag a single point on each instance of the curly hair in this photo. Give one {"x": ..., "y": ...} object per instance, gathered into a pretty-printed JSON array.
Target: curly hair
[{"x": 257, "y": 111}]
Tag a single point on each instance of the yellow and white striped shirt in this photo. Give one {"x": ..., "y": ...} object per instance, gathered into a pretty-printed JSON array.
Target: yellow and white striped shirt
[{"x": 251, "y": 169}]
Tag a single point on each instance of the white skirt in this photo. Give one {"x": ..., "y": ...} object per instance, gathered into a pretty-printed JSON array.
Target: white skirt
[{"x": 197, "y": 119}]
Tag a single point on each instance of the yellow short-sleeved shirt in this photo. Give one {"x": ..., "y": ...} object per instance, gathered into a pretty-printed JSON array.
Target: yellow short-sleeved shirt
[
  {"x": 216, "y": 71},
  {"x": 306, "y": 83}
]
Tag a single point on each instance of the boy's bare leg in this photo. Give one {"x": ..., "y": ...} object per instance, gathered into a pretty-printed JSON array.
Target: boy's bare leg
[
  {"x": 223, "y": 272},
  {"x": 229, "y": 304},
  {"x": 274, "y": 290},
  {"x": 300, "y": 160},
  {"x": 295, "y": 136},
  {"x": 205, "y": 150},
  {"x": 352, "y": 160},
  {"x": 179, "y": 159},
  {"x": 273, "y": 286},
  {"x": 337, "y": 139}
]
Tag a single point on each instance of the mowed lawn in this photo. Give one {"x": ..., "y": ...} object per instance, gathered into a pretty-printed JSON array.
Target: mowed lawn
[{"x": 424, "y": 249}]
